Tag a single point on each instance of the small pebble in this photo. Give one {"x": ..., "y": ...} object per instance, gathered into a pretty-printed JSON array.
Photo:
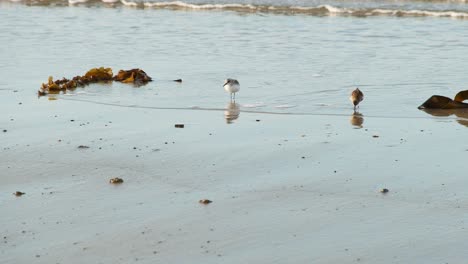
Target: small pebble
[
  {"x": 18, "y": 193},
  {"x": 205, "y": 201},
  {"x": 179, "y": 125}
]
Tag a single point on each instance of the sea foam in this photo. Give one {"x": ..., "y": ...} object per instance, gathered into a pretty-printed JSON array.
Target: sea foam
[{"x": 319, "y": 10}]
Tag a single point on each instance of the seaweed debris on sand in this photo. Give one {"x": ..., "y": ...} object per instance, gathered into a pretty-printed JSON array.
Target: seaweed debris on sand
[
  {"x": 116, "y": 180},
  {"x": 442, "y": 102},
  {"x": 135, "y": 76},
  {"x": 94, "y": 75}
]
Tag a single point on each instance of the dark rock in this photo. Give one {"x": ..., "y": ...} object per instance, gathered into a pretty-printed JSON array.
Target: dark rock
[{"x": 384, "y": 190}]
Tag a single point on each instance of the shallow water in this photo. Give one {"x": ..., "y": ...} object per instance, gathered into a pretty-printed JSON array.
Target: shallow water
[{"x": 285, "y": 64}]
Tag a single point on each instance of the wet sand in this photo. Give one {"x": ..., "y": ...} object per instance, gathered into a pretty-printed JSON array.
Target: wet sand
[{"x": 285, "y": 188}]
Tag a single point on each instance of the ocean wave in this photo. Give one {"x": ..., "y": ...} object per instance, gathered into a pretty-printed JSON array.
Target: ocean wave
[
  {"x": 320, "y": 10},
  {"x": 74, "y": 2},
  {"x": 180, "y": 4}
]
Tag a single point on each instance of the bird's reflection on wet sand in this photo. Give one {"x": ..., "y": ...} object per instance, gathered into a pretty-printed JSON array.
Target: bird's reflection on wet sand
[
  {"x": 357, "y": 119},
  {"x": 231, "y": 112}
]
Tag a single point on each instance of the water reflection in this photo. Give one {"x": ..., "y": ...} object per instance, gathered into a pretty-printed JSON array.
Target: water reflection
[
  {"x": 232, "y": 112},
  {"x": 461, "y": 113},
  {"x": 357, "y": 119}
]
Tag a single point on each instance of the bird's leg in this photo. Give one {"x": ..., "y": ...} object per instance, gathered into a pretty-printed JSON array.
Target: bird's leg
[{"x": 234, "y": 97}]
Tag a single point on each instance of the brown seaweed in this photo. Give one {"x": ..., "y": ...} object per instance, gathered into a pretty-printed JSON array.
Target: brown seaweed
[
  {"x": 443, "y": 102},
  {"x": 18, "y": 193},
  {"x": 461, "y": 96},
  {"x": 439, "y": 106},
  {"x": 116, "y": 180},
  {"x": 94, "y": 75},
  {"x": 99, "y": 74},
  {"x": 135, "y": 76},
  {"x": 205, "y": 201}
]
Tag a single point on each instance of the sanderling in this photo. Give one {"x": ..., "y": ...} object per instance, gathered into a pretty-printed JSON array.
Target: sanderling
[
  {"x": 356, "y": 97},
  {"x": 231, "y": 86}
]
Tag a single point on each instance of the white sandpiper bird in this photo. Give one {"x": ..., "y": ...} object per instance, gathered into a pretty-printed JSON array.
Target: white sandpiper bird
[
  {"x": 231, "y": 86},
  {"x": 356, "y": 97}
]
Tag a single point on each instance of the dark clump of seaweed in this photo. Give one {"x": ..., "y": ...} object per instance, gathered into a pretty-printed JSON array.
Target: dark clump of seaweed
[
  {"x": 135, "y": 76},
  {"x": 94, "y": 75}
]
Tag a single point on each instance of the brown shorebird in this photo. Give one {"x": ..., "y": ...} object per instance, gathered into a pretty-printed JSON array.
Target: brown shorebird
[{"x": 356, "y": 97}]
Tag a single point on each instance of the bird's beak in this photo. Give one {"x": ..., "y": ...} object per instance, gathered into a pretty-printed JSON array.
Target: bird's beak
[{"x": 225, "y": 83}]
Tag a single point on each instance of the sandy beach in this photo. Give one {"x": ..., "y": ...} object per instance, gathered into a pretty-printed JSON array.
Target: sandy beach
[
  {"x": 293, "y": 175},
  {"x": 308, "y": 190}
]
